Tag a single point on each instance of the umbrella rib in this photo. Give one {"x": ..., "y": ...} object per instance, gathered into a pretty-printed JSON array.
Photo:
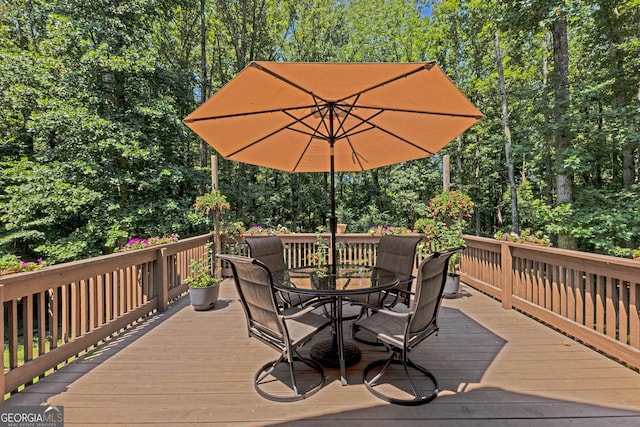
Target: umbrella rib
[
  {"x": 349, "y": 132},
  {"x": 426, "y": 66},
  {"x": 345, "y": 134},
  {"x": 430, "y": 113},
  {"x": 315, "y": 131},
  {"x": 287, "y": 81},
  {"x": 250, "y": 113},
  {"x": 388, "y": 132},
  {"x": 306, "y": 147},
  {"x": 286, "y": 110},
  {"x": 257, "y": 141},
  {"x": 322, "y": 121},
  {"x": 315, "y": 134}
]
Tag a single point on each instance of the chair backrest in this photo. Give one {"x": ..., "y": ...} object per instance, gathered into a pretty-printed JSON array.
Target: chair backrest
[
  {"x": 397, "y": 254},
  {"x": 430, "y": 282},
  {"x": 268, "y": 249},
  {"x": 254, "y": 286}
]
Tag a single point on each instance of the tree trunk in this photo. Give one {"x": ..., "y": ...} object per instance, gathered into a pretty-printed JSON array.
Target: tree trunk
[
  {"x": 564, "y": 175},
  {"x": 548, "y": 161},
  {"x": 203, "y": 77},
  {"x": 507, "y": 138},
  {"x": 620, "y": 100}
]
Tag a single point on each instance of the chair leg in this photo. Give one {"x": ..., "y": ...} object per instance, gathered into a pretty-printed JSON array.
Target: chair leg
[
  {"x": 395, "y": 359},
  {"x": 262, "y": 378}
]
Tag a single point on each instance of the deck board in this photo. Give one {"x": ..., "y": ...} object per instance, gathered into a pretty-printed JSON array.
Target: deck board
[{"x": 188, "y": 368}]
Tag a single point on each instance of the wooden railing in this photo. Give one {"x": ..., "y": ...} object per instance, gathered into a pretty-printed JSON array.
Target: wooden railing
[
  {"x": 55, "y": 314},
  {"x": 300, "y": 247},
  {"x": 594, "y": 298}
]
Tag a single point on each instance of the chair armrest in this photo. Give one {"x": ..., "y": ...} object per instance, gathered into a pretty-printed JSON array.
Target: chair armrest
[
  {"x": 290, "y": 314},
  {"x": 384, "y": 311}
]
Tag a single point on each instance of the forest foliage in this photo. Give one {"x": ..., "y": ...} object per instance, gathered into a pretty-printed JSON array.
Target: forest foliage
[{"x": 93, "y": 152}]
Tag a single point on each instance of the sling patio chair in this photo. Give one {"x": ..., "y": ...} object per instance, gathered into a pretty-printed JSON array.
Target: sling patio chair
[
  {"x": 269, "y": 250},
  {"x": 400, "y": 333},
  {"x": 285, "y": 330},
  {"x": 396, "y": 254}
]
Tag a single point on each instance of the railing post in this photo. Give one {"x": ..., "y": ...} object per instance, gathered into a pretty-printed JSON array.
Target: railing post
[
  {"x": 162, "y": 280},
  {"x": 507, "y": 275}
]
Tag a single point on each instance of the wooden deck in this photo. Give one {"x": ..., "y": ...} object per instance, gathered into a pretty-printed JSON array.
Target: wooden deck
[{"x": 188, "y": 368}]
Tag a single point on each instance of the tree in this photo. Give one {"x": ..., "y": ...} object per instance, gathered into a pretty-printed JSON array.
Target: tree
[
  {"x": 102, "y": 114},
  {"x": 507, "y": 138}
]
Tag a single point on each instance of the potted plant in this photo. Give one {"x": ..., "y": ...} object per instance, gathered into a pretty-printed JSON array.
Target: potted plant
[
  {"x": 212, "y": 204},
  {"x": 451, "y": 237},
  {"x": 441, "y": 232},
  {"x": 203, "y": 284}
]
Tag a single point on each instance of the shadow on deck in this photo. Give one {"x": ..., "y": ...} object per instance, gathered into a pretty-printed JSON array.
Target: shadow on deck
[{"x": 494, "y": 366}]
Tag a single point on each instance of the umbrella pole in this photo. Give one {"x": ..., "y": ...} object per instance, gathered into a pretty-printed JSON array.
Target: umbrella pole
[{"x": 333, "y": 221}]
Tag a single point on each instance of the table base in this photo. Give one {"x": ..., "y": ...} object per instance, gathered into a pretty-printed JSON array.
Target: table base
[{"x": 326, "y": 353}]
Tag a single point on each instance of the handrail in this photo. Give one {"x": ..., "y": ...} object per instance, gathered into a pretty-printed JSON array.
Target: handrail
[
  {"x": 62, "y": 310},
  {"x": 352, "y": 247},
  {"x": 594, "y": 298}
]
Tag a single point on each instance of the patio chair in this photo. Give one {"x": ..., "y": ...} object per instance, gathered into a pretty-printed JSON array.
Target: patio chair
[
  {"x": 268, "y": 249},
  {"x": 284, "y": 330},
  {"x": 396, "y": 254},
  {"x": 400, "y": 333}
]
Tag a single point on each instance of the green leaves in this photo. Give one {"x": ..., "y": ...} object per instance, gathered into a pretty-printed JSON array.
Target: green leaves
[{"x": 92, "y": 94}]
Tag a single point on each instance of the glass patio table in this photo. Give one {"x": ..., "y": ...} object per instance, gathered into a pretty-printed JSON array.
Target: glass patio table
[{"x": 323, "y": 282}]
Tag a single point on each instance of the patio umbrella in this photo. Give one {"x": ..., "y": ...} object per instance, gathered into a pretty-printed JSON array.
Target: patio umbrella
[{"x": 333, "y": 117}]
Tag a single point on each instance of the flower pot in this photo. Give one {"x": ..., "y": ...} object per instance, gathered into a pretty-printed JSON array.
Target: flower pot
[
  {"x": 204, "y": 298},
  {"x": 452, "y": 286},
  {"x": 342, "y": 228}
]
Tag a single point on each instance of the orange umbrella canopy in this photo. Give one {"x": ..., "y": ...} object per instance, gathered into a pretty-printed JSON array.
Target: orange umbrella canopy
[{"x": 294, "y": 116}]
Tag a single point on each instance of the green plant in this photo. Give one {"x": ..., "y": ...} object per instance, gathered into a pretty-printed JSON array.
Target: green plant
[
  {"x": 12, "y": 264},
  {"x": 213, "y": 201},
  {"x": 451, "y": 204},
  {"x": 388, "y": 229},
  {"x": 525, "y": 236},
  {"x": 233, "y": 230},
  {"x": 260, "y": 230},
  {"x": 201, "y": 272},
  {"x": 438, "y": 236},
  {"x": 139, "y": 243},
  {"x": 320, "y": 255},
  {"x": 439, "y": 231}
]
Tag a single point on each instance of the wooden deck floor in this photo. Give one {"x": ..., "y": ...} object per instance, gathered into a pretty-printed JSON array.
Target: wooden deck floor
[{"x": 188, "y": 368}]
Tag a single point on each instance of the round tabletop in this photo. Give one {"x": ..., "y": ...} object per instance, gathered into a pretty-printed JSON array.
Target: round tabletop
[{"x": 348, "y": 280}]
